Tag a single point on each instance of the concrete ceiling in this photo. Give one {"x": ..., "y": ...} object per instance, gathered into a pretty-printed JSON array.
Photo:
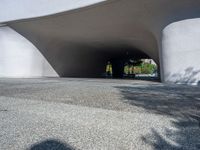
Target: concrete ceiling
[{"x": 111, "y": 27}]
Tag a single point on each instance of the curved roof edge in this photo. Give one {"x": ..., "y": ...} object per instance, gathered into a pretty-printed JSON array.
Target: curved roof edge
[{"x": 24, "y": 9}]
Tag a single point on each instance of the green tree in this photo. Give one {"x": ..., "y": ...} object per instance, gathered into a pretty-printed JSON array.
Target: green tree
[{"x": 148, "y": 68}]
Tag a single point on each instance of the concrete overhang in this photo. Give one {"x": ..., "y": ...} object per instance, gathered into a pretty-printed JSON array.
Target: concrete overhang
[{"x": 110, "y": 27}]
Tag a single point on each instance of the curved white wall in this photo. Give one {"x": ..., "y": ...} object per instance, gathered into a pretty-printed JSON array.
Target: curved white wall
[
  {"x": 181, "y": 52},
  {"x": 22, "y": 9},
  {"x": 20, "y": 58}
]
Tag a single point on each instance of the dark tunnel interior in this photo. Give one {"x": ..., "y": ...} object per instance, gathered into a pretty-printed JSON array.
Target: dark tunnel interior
[{"x": 85, "y": 61}]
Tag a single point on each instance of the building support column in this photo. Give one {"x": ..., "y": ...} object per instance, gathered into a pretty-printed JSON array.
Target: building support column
[
  {"x": 19, "y": 58},
  {"x": 180, "y": 54}
]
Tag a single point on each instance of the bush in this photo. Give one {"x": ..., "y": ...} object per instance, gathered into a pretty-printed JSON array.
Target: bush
[{"x": 148, "y": 68}]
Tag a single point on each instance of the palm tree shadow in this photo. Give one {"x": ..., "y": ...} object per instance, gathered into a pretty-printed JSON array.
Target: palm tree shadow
[
  {"x": 51, "y": 144},
  {"x": 182, "y": 103}
]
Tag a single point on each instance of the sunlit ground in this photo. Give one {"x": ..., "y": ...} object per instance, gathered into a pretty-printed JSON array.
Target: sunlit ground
[{"x": 98, "y": 114}]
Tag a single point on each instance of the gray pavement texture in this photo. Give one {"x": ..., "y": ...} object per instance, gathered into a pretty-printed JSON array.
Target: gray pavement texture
[{"x": 90, "y": 114}]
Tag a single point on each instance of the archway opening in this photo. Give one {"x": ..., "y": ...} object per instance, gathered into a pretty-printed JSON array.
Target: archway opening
[{"x": 135, "y": 65}]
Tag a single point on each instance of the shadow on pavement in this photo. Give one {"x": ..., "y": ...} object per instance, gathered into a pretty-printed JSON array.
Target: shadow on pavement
[
  {"x": 51, "y": 144},
  {"x": 182, "y": 103}
]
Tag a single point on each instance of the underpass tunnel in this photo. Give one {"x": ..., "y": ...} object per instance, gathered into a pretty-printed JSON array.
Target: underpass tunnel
[
  {"x": 38, "y": 56},
  {"x": 82, "y": 60}
]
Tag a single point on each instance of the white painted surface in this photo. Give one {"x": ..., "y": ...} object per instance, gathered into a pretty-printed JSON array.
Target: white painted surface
[
  {"x": 20, "y": 58},
  {"x": 181, "y": 52},
  {"x": 22, "y": 9},
  {"x": 132, "y": 23}
]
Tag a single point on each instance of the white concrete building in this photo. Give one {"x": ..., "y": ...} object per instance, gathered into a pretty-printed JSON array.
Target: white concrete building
[{"x": 67, "y": 38}]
